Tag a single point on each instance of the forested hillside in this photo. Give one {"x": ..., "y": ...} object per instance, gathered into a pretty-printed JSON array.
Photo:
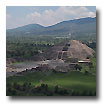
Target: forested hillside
[{"x": 77, "y": 26}]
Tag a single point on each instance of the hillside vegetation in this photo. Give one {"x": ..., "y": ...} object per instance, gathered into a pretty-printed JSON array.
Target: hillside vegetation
[{"x": 77, "y": 26}]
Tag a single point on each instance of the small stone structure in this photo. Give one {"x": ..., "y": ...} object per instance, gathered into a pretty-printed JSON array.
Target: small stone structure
[
  {"x": 72, "y": 60},
  {"x": 85, "y": 61}
]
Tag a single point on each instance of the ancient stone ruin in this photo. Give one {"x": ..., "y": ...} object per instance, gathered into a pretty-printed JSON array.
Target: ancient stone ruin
[{"x": 62, "y": 57}]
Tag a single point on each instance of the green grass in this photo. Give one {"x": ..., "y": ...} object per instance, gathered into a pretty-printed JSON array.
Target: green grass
[
  {"x": 91, "y": 69},
  {"x": 74, "y": 80},
  {"x": 15, "y": 63}
]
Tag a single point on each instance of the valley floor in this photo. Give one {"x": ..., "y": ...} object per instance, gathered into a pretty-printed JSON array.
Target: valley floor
[{"x": 75, "y": 81}]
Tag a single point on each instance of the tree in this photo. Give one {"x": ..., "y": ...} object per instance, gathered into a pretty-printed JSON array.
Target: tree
[
  {"x": 46, "y": 87},
  {"x": 86, "y": 72},
  {"x": 15, "y": 85},
  {"x": 73, "y": 93},
  {"x": 78, "y": 67},
  {"x": 56, "y": 89},
  {"x": 90, "y": 65}
]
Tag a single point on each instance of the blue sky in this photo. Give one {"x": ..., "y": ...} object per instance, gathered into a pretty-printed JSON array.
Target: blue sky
[{"x": 45, "y": 15}]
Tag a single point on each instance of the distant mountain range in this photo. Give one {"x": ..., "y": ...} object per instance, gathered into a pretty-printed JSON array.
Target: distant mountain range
[{"x": 76, "y": 26}]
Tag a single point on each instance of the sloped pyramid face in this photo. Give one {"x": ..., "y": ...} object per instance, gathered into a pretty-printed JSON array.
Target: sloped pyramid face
[
  {"x": 79, "y": 50},
  {"x": 69, "y": 50}
]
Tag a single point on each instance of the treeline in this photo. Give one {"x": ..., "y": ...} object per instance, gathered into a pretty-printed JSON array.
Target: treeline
[
  {"x": 28, "y": 46},
  {"x": 91, "y": 44},
  {"x": 27, "y": 89},
  {"x": 24, "y": 47},
  {"x": 25, "y": 50}
]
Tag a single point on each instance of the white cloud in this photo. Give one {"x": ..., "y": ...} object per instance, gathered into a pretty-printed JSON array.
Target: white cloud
[
  {"x": 50, "y": 17},
  {"x": 8, "y": 16},
  {"x": 12, "y": 22}
]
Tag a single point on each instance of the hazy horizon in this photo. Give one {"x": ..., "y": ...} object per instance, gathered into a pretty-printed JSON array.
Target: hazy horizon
[{"x": 47, "y": 26}]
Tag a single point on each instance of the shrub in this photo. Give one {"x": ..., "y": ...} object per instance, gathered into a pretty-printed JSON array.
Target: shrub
[
  {"x": 86, "y": 72},
  {"x": 56, "y": 89}
]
